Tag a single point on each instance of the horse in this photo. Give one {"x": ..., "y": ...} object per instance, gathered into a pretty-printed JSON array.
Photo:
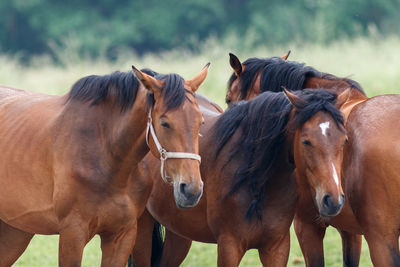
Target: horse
[
  {"x": 370, "y": 169},
  {"x": 249, "y": 154},
  {"x": 70, "y": 164}
]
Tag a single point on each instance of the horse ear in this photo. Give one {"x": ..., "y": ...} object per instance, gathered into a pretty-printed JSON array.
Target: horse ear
[
  {"x": 197, "y": 80},
  {"x": 285, "y": 57},
  {"x": 342, "y": 98},
  {"x": 294, "y": 100},
  {"x": 235, "y": 64},
  {"x": 150, "y": 83}
]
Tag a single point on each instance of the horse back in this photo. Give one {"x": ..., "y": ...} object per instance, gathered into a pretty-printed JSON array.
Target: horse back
[
  {"x": 375, "y": 122},
  {"x": 208, "y": 107}
]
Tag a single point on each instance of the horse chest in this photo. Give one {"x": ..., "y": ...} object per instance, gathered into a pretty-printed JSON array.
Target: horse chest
[{"x": 346, "y": 221}]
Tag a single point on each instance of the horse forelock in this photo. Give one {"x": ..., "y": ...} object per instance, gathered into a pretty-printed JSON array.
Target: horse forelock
[
  {"x": 316, "y": 100},
  {"x": 173, "y": 91}
]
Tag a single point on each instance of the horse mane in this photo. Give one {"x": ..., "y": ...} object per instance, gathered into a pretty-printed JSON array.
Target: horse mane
[
  {"x": 149, "y": 71},
  {"x": 124, "y": 87},
  {"x": 276, "y": 72},
  {"x": 264, "y": 123},
  {"x": 96, "y": 89}
]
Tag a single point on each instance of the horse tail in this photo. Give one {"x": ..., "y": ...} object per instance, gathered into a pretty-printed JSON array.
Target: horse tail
[
  {"x": 130, "y": 262},
  {"x": 157, "y": 244},
  {"x": 156, "y": 249}
]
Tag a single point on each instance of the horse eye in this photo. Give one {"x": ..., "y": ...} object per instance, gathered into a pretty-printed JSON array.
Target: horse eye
[
  {"x": 307, "y": 143},
  {"x": 164, "y": 124},
  {"x": 228, "y": 101}
]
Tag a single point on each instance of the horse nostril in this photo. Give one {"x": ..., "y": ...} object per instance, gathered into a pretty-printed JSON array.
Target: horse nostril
[
  {"x": 327, "y": 200},
  {"x": 330, "y": 206},
  {"x": 182, "y": 188}
]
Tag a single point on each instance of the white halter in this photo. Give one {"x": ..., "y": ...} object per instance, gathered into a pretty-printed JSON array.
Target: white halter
[{"x": 164, "y": 154}]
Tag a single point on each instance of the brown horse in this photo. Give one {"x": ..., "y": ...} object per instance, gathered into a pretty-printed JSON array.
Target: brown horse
[
  {"x": 69, "y": 164},
  {"x": 250, "y": 197},
  {"x": 371, "y": 177}
]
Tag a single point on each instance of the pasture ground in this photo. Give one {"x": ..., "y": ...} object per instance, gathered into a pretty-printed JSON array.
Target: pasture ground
[{"x": 373, "y": 62}]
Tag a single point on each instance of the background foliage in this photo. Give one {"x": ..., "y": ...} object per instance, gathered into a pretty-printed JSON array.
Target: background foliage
[{"x": 94, "y": 27}]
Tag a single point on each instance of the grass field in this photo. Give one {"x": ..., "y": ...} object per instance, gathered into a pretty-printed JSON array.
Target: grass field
[{"x": 373, "y": 62}]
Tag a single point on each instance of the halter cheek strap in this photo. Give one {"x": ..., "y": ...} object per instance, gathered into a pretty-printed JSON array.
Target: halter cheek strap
[{"x": 164, "y": 154}]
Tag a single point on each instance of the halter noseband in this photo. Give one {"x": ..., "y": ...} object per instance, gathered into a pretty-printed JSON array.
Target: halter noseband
[{"x": 164, "y": 154}]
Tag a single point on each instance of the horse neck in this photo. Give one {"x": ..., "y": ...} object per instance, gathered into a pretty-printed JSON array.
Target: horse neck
[
  {"x": 336, "y": 85},
  {"x": 127, "y": 135},
  {"x": 355, "y": 98}
]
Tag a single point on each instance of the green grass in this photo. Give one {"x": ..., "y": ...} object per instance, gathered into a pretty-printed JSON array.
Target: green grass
[
  {"x": 206, "y": 254},
  {"x": 43, "y": 252},
  {"x": 372, "y": 62}
]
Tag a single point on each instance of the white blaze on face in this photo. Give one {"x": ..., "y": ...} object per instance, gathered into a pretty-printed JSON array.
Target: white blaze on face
[
  {"x": 324, "y": 126},
  {"x": 335, "y": 176}
]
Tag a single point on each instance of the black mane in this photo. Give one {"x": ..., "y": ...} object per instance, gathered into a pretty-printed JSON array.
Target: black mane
[
  {"x": 264, "y": 123},
  {"x": 124, "y": 86},
  {"x": 95, "y": 89},
  {"x": 276, "y": 72}
]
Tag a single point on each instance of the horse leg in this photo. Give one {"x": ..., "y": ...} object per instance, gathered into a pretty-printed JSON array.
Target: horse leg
[
  {"x": 175, "y": 249},
  {"x": 72, "y": 242},
  {"x": 384, "y": 249},
  {"x": 277, "y": 255},
  {"x": 13, "y": 243},
  {"x": 116, "y": 247},
  {"x": 310, "y": 237},
  {"x": 142, "y": 250},
  {"x": 230, "y": 252},
  {"x": 351, "y": 246}
]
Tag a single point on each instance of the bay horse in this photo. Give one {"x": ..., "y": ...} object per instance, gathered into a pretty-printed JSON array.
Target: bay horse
[
  {"x": 370, "y": 176},
  {"x": 249, "y": 153},
  {"x": 69, "y": 164}
]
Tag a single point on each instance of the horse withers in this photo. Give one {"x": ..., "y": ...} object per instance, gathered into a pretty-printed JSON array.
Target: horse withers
[
  {"x": 70, "y": 163},
  {"x": 250, "y": 193}
]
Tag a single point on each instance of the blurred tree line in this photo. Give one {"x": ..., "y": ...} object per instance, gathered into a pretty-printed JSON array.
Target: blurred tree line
[{"x": 30, "y": 27}]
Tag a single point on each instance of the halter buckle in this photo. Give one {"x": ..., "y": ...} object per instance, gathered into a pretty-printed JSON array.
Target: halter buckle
[
  {"x": 168, "y": 179},
  {"x": 163, "y": 154}
]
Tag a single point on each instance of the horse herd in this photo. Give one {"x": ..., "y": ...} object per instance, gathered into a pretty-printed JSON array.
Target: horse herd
[{"x": 121, "y": 154}]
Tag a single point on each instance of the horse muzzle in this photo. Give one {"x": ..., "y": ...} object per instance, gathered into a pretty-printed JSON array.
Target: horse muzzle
[
  {"x": 330, "y": 207},
  {"x": 187, "y": 195}
]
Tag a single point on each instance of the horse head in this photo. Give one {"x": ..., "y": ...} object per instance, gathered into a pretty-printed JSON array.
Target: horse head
[
  {"x": 245, "y": 83},
  {"x": 319, "y": 140},
  {"x": 173, "y": 131}
]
